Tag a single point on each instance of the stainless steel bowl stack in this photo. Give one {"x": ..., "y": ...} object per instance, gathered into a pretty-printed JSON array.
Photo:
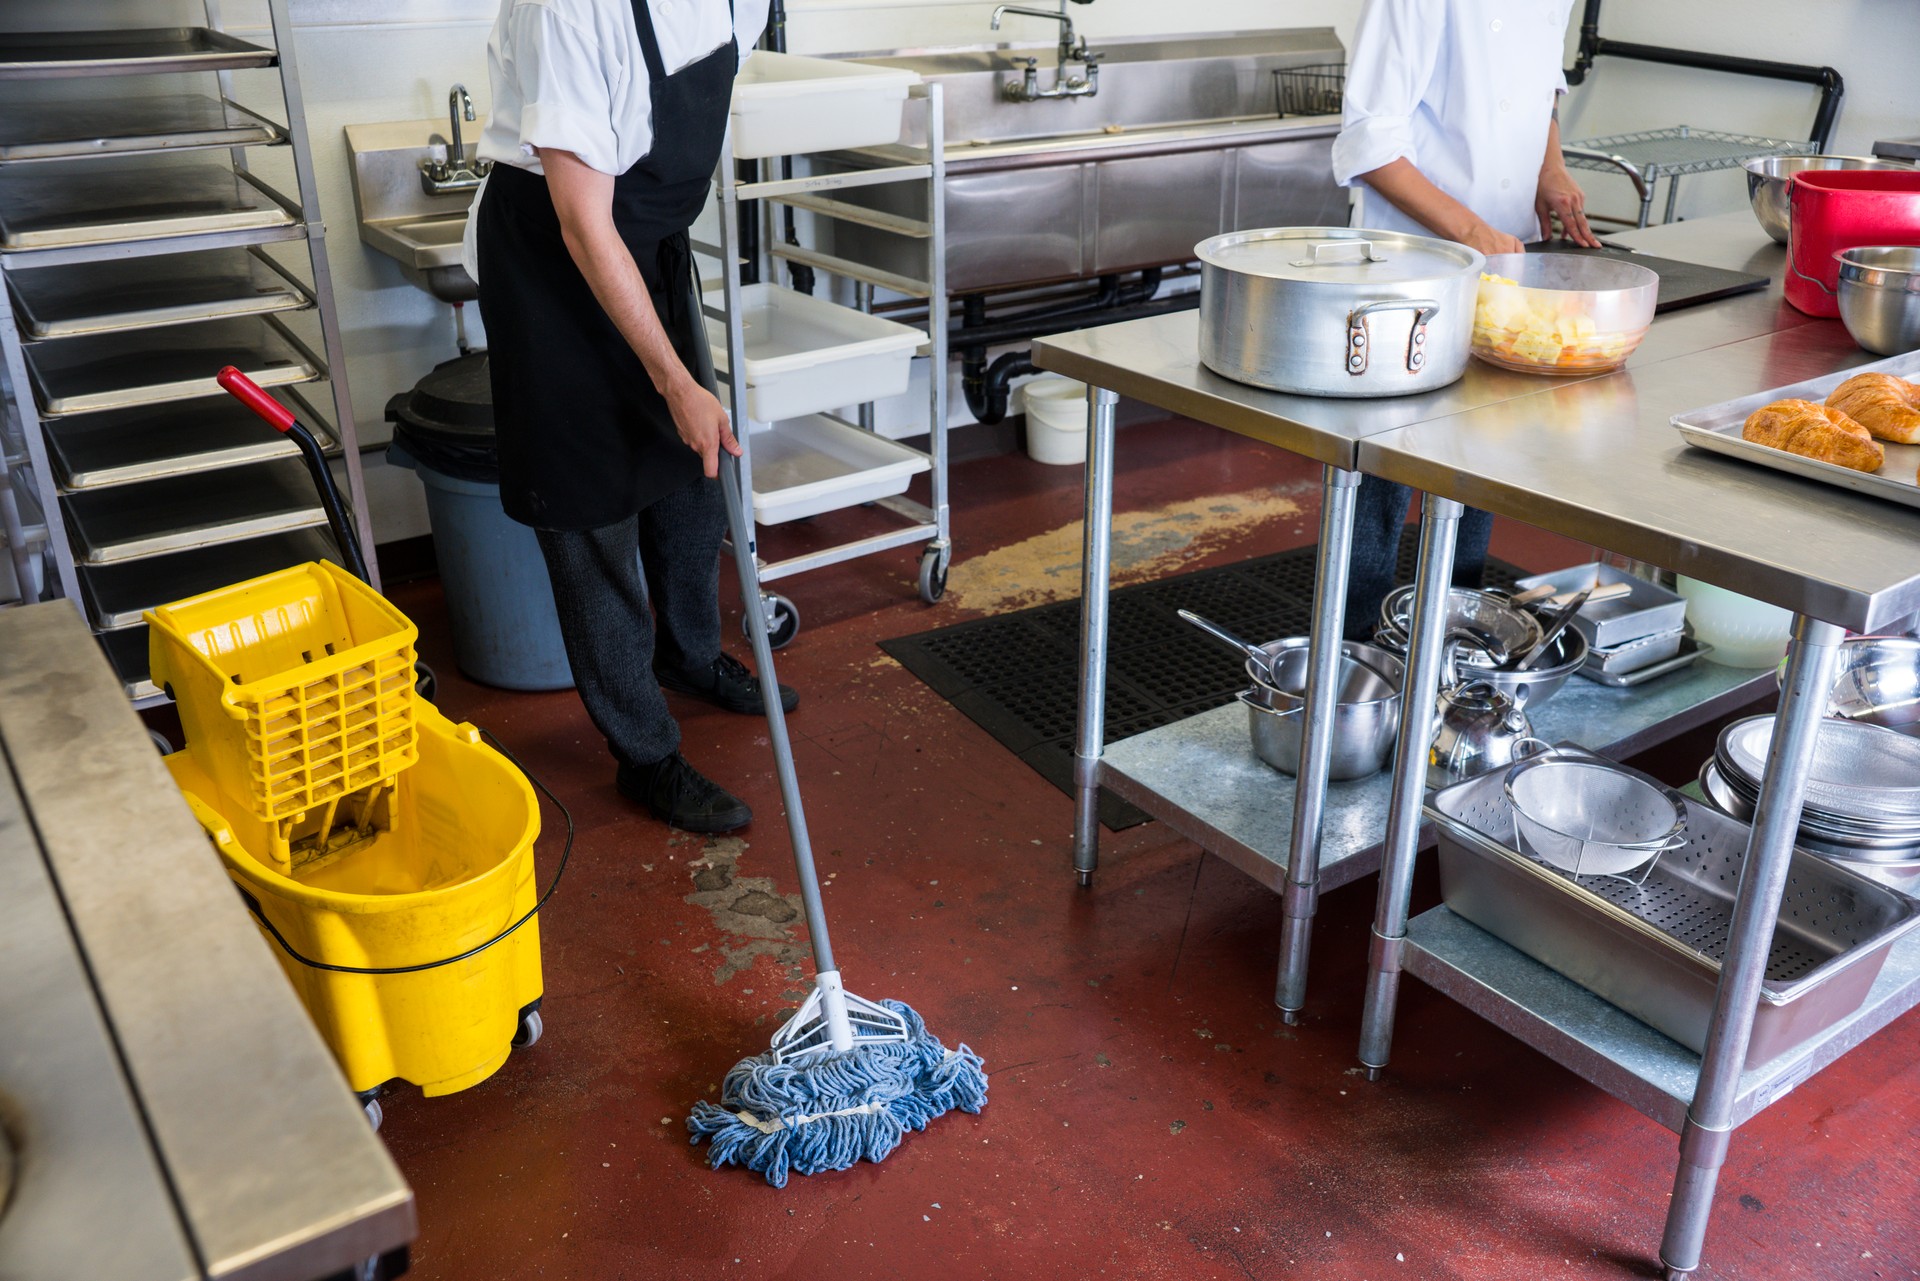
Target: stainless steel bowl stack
[
  {"x": 1769, "y": 177},
  {"x": 1366, "y": 716},
  {"x": 1863, "y": 795},
  {"x": 1880, "y": 297}
]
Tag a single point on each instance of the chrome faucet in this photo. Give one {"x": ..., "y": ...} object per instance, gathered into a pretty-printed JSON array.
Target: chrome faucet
[
  {"x": 1027, "y": 87},
  {"x": 454, "y": 174}
]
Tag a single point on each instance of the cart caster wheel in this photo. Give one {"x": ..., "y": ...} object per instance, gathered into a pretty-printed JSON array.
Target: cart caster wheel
[
  {"x": 933, "y": 573},
  {"x": 530, "y": 1029},
  {"x": 160, "y": 742},
  {"x": 374, "y": 1113},
  {"x": 783, "y": 620},
  {"x": 424, "y": 681}
]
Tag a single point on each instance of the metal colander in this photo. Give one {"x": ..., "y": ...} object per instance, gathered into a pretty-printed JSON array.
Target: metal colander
[{"x": 1592, "y": 818}]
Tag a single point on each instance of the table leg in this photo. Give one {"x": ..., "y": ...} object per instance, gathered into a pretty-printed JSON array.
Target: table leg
[
  {"x": 1763, "y": 877},
  {"x": 1095, "y": 564},
  {"x": 1301, "y": 896},
  {"x": 1439, "y": 523}
]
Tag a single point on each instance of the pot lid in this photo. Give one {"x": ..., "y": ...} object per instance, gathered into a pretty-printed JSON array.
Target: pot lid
[
  {"x": 454, "y": 402},
  {"x": 1339, "y": 255}
]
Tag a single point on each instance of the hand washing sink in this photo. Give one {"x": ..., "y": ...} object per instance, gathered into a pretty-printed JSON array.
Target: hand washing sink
[{"x": 398, "y": 217}]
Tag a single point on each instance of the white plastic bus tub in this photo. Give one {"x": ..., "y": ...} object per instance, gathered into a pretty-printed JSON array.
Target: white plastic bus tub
[
  {"x": 805, "y": 354},
  {"x": 816, "y": 464},
  {"x": 786, "y": 105}
]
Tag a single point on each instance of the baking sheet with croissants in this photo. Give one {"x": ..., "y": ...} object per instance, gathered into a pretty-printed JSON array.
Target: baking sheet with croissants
[{"x": 1859, "y": 429}]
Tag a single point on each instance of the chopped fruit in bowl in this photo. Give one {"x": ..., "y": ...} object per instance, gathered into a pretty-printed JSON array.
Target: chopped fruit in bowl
[{"x": 1562, "y": 313}]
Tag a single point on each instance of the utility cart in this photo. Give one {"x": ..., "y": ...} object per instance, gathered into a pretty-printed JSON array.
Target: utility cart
[{"x": 794, "y": 364}]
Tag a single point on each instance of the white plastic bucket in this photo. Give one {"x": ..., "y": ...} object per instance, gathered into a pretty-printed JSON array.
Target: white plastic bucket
[{"x": 1056, "y": 420}]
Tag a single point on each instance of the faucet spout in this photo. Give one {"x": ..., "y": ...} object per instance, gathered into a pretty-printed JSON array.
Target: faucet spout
[{"x": 459, "y": 106}]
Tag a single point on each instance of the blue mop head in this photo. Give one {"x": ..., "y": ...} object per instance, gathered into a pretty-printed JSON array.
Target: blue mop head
[{"x": 829, "y": 1111}]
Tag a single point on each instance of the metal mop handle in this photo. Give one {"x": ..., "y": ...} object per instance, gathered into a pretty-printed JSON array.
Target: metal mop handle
[{"x": 833, "y": 998}]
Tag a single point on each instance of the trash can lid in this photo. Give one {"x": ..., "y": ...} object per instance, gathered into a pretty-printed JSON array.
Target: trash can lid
[{"x": 453, "y": 404}]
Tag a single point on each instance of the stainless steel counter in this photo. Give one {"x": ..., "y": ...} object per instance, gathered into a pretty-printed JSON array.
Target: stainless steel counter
[{"x": 175, "y": 1114}]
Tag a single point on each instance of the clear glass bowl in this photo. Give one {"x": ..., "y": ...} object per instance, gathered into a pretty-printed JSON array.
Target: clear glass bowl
[{"x": 1562, "y": 313}]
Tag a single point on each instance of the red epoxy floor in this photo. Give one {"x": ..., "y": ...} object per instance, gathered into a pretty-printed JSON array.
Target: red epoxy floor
[{"x": 1149, "y": 1115}]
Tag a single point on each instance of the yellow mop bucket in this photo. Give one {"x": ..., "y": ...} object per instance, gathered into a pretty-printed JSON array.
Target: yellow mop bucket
[{"x": 369, "y": 930}]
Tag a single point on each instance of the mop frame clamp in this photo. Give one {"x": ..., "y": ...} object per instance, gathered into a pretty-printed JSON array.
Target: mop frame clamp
[{"x": 833, "y": 1020}]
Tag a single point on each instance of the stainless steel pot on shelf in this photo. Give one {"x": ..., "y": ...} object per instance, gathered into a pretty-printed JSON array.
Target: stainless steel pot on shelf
[{"x": 1337, "y": 311}]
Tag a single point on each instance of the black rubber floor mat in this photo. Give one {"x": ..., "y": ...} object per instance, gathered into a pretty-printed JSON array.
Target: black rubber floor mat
[{"x": 1017, "y": 675}]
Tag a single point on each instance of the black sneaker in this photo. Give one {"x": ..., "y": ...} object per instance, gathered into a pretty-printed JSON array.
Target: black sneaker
[
  {"x": 727, "y": 683},
  {"x": 681, "y": 796}
]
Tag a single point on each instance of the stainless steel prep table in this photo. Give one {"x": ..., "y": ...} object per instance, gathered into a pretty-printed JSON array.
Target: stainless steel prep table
[
  {"x": 1602, "y": 462},
  {"x": 1155, "y": 361},
  {"x": 173, "y": 1112}
]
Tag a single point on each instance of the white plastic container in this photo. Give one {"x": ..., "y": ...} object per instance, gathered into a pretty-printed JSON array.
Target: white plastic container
[
  {"x": 786, "y": 105},
  {"x": 815, "y": 464},
  {"x": 805, "y": 354},
  {"x": 1742, "y": 631},
  {"x": 1056, "y": 420}
]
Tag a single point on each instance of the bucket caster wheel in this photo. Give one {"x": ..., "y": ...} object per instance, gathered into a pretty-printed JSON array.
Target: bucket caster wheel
[
  {"x": 783, "y": 620},
  {"x": 160, "y": 742},
  {"x": 933, "y": 571},
  {"x": 530, "y": 1029},
  {"x": 370, "y": 1103},
  {"x": 424, "y": 682}
]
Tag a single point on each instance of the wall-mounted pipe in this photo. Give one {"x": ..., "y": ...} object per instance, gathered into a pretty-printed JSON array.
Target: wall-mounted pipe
[{"x": 1594, "y": 45}]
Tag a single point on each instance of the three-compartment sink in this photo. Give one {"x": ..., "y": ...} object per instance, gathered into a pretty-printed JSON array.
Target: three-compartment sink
[{"x": 398, "y": 217}]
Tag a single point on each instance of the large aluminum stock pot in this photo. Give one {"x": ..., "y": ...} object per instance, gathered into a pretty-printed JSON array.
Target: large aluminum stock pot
[{"x": 1337, "y": 311}]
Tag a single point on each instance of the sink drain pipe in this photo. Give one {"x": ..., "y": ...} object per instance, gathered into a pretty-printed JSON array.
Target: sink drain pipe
[{"x": 988, "y": 386}]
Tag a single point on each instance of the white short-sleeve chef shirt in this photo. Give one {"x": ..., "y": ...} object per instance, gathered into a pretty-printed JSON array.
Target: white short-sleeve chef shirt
[
  {"x": 1463, "y": 89},
  {"x": 569, "y": 73}
]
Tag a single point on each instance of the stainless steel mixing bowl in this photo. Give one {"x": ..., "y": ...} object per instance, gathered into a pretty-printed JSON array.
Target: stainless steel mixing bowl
[
  {"x": 1568, "y": 653},
  {"x": 1880, "y": 297},
  {"x": 1879, "y": 682},
  {"x": 1770, "y": 177}
]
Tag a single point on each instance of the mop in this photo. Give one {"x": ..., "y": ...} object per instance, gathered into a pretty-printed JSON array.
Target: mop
[{"x": 845, "y": 1078}]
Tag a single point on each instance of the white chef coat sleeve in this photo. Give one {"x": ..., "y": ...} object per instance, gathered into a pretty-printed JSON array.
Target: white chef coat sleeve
[
  {"x": 749, "y": 20},
  {"x": 1395, "y": 49},
  {"x": 565, "y": 85}
]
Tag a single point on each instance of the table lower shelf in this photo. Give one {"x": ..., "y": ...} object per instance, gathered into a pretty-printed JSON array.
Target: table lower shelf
[
  {"x": 1200, "y": 777},
  {"x": 1610, "y": 1048}
]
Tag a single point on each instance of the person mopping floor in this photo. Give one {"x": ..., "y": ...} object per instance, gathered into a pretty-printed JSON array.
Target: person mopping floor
[{"x": 608, "y": 118}]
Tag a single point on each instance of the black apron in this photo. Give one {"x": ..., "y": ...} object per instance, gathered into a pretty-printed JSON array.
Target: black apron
[{"x": 585, "y": 441}]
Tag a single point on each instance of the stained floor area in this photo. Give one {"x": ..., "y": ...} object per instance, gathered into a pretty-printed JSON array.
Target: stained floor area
[{"x": 1149, "y": 1115}]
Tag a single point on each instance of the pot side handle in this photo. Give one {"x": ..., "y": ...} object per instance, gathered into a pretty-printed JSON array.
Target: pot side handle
[{"x": 1358, "y": 342}]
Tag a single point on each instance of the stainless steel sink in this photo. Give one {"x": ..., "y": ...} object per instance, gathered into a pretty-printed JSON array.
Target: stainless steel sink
[
  {"x": 421, "y": 231},
  {"x": 1183, "y": 141}
]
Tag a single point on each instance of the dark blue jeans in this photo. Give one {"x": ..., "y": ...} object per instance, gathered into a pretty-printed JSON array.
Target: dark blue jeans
[{"x": 1380, "y": 513}]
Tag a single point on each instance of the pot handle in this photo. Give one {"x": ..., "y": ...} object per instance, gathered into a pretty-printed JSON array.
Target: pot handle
[
  {"x": 1424, "y": 310},
  {"x": 1325, "y": 252}
]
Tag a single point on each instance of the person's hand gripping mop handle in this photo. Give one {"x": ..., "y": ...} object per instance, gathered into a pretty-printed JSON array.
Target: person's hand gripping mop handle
[{"x": 833, "y": 999}]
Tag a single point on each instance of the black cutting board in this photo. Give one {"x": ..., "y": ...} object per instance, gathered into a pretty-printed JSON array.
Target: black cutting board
[{"x": 1682, "y": 284}]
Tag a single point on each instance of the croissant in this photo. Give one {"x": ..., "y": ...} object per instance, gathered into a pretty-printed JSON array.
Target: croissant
[
  {"x": 1814, "y": 431},
  {"x": 1888, "y": 407}
]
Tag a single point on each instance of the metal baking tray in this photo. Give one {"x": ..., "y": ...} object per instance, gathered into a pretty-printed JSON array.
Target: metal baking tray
[
  {"x": 117, "y": 595},
  {"x": 146, "y": 293},
  {"x": 1632, "y": 656},
  {"x": 1717, "y": 428},
  {"x": 183, "y": 512},
  {"x": 1648, "y": 609},
  {"x": 125, "y": 446},
  {"x": 118, "y": 371},
  {"x": 129, "y": 198},
  {"x": 127, "y": 651},
  {"x": 1654, "y": 949},
  {"x": 38, "y": 130},
  {"x": 49, "y": 55},
  {"x": 1689, "y": 649}
]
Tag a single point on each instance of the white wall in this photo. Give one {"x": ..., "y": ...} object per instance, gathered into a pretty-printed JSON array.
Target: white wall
[{"x": 369, "y": 60}]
